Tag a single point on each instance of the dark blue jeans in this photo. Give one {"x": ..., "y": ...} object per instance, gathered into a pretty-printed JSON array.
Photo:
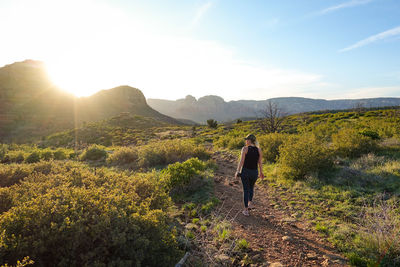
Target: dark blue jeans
[{"x": 249, "y": 178}]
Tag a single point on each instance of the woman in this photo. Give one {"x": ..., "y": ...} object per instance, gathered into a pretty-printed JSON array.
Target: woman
[{"x": 250, "y": 159}]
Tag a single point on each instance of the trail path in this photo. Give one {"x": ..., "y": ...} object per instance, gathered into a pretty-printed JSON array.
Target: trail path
[{"x": 275, "y": 236}]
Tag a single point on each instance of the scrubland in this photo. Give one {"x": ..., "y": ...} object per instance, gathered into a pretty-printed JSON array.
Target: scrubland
[{"x": 142, "y": 197}]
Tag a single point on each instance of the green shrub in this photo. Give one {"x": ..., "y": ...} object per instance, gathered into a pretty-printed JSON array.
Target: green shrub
[
  {"x": 123, "y": 156},
  {"x": 60, "y": 154},
  {"x": 12, "y": 174},
  {"x": 371, "y": 134},
  {"x": 190, "y": 235},
  {"x": 83, "y": 219},
  {"x": 209, "y": 206},
  {"x": 303, "y": 155},
  {"x": 324, "y": 131},
  {"x": 180, "y": 174},
  {"x": 379, "y": 238},
  {"x": 47, "y": 155},
  {"x": 6, "y": 199},
  {"x": 14, "y": 157},
  {"x": 242, "y": 244},
  {"x": 19, "y": 158},
  {"x": 270, "y": 144},
  {"x": 230, "y": 141},
  {"x": 350, "y": 143},
  {"x": 94, "y": 152},
  {"x": 3, "y": 152},
  {"x": 223, "y": 231},
  {"x": 169, "y": 151},
  {"x": 33, "y": 157}
]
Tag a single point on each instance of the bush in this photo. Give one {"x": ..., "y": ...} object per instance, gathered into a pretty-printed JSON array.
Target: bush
[
  {"x": 169, "y": 151},
  {"x": 47, "y": 155},
  {"x": 379, "y": 236},
  {"x": 230, "y": 141},
  {"x": 270, "y": 144},
  {"x": 33, "y": 157},
  {"x": 302, "y": 156},
  {"x": 123, "y": 156},
  {"x": 371, "y": 134},
  {"x": 83, "y": 219},
  {"x": 94, "y": 152},
  {"x": 3, "y": 152},
  {"x": 6, "y": 199},
  {"x": 212, "y": 123},
  {"x": 242, "y": 244},
  {"x": 60, "y": 154},
  {"x": 19, "y": 158},
  {"x": 12, "y": 174},
  {"x": 72, "y": 155},
  {"x": 233, "y": 139},
  {"x": 350, "y": 143},
  {"x": 180, "y": 174},
  {"x": 14, "y": 156}
]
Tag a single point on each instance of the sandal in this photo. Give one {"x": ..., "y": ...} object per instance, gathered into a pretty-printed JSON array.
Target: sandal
[{"x": 245, "y": 213}]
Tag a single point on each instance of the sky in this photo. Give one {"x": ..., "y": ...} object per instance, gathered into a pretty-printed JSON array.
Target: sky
[{"x": 237, "y": 49}]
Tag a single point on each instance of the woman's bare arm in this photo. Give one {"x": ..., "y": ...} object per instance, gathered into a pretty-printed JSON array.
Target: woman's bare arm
[
  {"x": 241, "y": 162},
  {"x": 260, "y": 164}
]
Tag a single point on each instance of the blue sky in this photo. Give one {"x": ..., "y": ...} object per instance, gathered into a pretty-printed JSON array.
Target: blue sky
[{"x": 236, "y": 49}]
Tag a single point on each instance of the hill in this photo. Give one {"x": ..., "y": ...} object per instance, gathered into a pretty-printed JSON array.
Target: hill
[
  {"x": 217, "y": 108},
  {"x": 30, "y": 105}
]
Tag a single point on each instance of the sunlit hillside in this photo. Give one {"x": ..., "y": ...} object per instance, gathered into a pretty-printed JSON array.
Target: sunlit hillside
[{"x": 31, "y": 107}]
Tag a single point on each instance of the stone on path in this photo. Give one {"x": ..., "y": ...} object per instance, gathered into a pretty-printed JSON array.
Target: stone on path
[
  {"x": 288, "y": 220},
  {"x": 276, "y": 264},
  {"x": 286, "y": 238},
  {"x": 312, "y": 256},
  {"x": 326, "y": 263},
  {"x": 222, "y": 258}
]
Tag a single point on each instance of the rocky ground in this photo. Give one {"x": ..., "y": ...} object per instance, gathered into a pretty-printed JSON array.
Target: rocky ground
[{"x": 276, "y": 237}]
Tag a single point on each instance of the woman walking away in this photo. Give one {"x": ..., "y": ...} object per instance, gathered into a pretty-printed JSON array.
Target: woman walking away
[{"x": 250, "y": 159}]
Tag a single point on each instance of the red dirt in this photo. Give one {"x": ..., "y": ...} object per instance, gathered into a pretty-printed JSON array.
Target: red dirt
[{"x": 266, "y": 226}]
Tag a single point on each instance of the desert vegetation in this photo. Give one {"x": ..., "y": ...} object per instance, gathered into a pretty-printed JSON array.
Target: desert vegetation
[{"x": 152, "y": 190}]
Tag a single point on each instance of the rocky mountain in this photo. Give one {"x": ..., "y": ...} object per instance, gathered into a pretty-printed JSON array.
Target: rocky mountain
[
  {"x": 207, "y": 107},
  {"x": 31, "y": 106},
  {"x": 215, "y": 107}
]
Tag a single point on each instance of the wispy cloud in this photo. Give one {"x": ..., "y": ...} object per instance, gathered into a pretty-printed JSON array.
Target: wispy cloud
[
  {"x": 200, "y": 12},
  {"x": 348, "y": 4},
  {"x": 374, "y": 38}
]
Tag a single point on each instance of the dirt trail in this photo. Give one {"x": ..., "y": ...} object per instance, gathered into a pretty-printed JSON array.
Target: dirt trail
[{"x": 274, "y": 235}]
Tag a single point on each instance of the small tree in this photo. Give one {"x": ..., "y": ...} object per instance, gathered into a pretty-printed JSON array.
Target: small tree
[
  {"x": 272, "y": 118},
  {"x": 212, "y": 123},
  {"x": 359, "y": 107},
  {"x": 193, "y": 131}
]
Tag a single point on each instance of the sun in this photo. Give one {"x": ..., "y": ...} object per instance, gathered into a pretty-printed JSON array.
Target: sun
[{"x": 79, "y": 78}]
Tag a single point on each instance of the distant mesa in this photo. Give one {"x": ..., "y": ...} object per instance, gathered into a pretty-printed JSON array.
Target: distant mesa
[{"x": 217, "y": 108}]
